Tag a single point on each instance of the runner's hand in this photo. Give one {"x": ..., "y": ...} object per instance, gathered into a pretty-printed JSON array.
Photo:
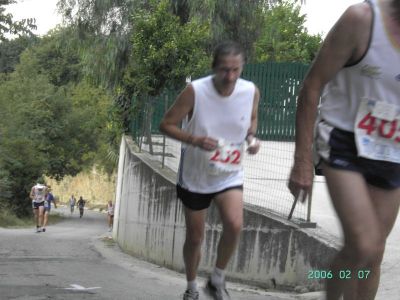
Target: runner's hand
[
  {"x": 205, "y": 143},
  {"x": 254, "y": 146},
  {"x": 301, "y": 179}
]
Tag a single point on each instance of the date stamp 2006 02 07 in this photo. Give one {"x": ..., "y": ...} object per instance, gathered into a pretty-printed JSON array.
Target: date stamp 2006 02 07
[{"x": 342, "y": 274}]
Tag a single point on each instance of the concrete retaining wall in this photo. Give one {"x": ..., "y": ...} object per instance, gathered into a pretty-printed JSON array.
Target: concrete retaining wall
[{"x": 149, "y": 223}]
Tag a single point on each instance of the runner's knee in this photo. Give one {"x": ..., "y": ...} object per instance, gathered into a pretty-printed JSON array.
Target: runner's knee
[
  {"x": 366, "y": 252},
  {"x": 194, "y": 239},
  {"x": 233, "y": 226}
]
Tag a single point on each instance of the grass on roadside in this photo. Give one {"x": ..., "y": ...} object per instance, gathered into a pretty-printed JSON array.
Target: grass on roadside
[
  {"x": 10, "y": 220},
  {"x": 108, "y": 241}
]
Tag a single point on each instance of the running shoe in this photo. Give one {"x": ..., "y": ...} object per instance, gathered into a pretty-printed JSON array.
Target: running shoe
[
  {"x": 44, "y": 229},
  {"x": 216, "y": 292},
  {"x": 38, "y": 229},
  {"x": 191, "y": 295}
]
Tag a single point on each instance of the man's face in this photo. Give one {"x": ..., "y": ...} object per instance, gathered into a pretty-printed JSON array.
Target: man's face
[{"x": 229, "y": 69}]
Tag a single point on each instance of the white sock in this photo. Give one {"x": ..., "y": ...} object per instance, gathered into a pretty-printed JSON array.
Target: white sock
[
  {"x": 218, "y": 276},
  {"x": 192, "y": 285}
]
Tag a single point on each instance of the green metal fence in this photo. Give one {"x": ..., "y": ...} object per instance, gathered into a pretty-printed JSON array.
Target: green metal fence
[
  {"x": 147, "y": 119},
  {"x": 279, "y": 84}
]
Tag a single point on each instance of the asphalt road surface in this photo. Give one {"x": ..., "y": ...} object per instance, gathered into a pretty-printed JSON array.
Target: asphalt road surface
[{"x": 77, "y": 259}]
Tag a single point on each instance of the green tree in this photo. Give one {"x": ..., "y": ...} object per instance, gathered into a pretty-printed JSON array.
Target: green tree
[
  {"x": 11, "y": 50},
  {"x": 9, "y": 26},
  {"x": 56, "y": 56},
  {"x": 91, "y": 107},
  {"x": 24, "y": 117},
  {"x": 284, "y": 36},
  {"x": 238, "y": 20},
  {"x": 164, "y": 51},
  {"x": 103, "y": 29},
  {"x": 46, "y": 129}
]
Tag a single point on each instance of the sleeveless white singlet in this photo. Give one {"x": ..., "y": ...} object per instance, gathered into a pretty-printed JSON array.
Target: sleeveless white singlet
[
  {"x": 376, "y": 76},
  {"x": 223, "y": 118}
]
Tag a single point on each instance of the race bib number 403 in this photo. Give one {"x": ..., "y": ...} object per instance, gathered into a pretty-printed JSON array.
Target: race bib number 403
[
  {"x": 377, "y": 131},
  {"x": 226, "y": 158}
]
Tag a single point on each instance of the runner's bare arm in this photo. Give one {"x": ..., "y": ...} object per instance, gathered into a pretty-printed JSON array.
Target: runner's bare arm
[
  {"x": 31, "y": 194},
  {"x": 182, "y": 107},
  {"x": 253, "y": 146},
  {"x": 345, "y": 44},
  {"x": 254, "y": 114}
]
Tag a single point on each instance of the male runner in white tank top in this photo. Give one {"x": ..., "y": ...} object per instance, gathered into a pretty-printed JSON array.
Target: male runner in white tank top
[
  {"x": 219, "y": 114},
  {"x": 110, "y": 215},
  {"x": 38, "y": 197},
  {"x": 357, "y": 140}
]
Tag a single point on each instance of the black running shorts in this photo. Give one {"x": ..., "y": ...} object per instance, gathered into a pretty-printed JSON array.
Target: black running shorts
[
  {"x": 337, "y": 148},
  {"x": 198, "y": 201},
  {"x": 36, "y": 205}
]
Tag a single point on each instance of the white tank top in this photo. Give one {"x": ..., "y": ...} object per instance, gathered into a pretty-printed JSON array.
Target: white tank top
[
  {"x": 376, "y": 76},
  {"x": 39, "y": 193},
  {"x": 110, "y": 209},
  {"x": 223, "y": 118}
]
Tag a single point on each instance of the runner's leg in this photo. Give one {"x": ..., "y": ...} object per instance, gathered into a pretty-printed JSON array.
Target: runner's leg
[
  {"x": 363, "y": 243},
  {"x": 230, "y": 207},
  {"x": 386, "y": 204},
  {"x": 40, "y": 212},
  {"x": 36, "y": 216},
  {"x": 45, "y": 217},
  {"x": 195, "y": 222}
]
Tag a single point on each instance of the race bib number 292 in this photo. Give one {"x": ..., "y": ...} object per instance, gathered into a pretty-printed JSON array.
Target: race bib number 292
[
  {"x": 377, "y": 131},
  {"x": 227, "y": 158}
]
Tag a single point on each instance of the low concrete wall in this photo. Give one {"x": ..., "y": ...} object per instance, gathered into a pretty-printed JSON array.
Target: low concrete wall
[{"x": 149, "y": 223}]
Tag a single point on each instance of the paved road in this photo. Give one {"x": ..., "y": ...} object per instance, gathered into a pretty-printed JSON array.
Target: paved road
[{"x": 77, "y": 259}]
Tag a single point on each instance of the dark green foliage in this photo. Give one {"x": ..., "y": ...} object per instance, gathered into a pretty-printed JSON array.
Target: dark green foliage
[
  {"x": 103, "y": 30},
  {"x": 58, "y": 58},
  {"x": 238, "y": 20},
  {"x": 284, "y": 37},
  {"x": 11, "y": 50},
  {"x": 49, "y": 124},
  {"x": 9, "y": 26},
  {"x": 164, "y": 51}
]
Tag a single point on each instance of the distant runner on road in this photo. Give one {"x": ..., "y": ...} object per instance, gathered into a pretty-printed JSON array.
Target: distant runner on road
[
  {"x": 110, "y": 215},
  {"x": 47, "y": 207},
  {"x": 81, "y": 205},
  {"x": 72, "y": 203},
  {"x": 38, "y": 197}
]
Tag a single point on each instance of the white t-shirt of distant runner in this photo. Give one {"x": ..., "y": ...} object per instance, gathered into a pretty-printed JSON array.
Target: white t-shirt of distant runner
[
  {"x": 110, "y": 209},
  {"x": 226, "y": 119},
  {"x": 39, "y": 193}
]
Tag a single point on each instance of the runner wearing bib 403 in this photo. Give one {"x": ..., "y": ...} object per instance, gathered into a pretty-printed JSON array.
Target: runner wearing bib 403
[{"x": 377, "y": 130}]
